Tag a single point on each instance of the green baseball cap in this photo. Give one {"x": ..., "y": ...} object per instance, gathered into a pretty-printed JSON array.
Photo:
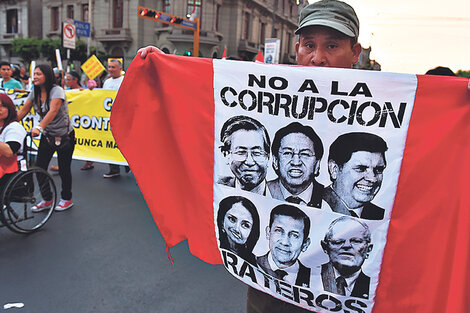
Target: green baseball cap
[{"x": 330, "y": 13}]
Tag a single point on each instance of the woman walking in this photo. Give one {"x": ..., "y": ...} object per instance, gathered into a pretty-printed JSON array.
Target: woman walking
[{"x": 56, "y": 131}]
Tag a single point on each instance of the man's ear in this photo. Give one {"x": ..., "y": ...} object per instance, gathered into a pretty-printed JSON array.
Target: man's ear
[
  {"x": 357, "y": 49},
  {"x": 297, "y": 44},
  {"x": 369, "y": 249},
  {"x": 305, "y": 244},
  {"x": 268, "y": 230},
  {"x": 333, "y": 169},
  {"x": 275, "y": 163},
  {"x": 324, "y": 245},
  {"x": 316, "y": 171}
]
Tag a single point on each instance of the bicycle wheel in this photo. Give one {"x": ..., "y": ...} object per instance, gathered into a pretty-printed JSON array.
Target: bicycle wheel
[{"x": 21, "y": 193}]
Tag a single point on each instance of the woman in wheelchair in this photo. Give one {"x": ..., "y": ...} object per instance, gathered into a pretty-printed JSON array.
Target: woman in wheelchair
[{"x": 12, "y": 135}]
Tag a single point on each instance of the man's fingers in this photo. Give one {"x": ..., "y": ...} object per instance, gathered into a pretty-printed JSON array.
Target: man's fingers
[{"x": 146, "y": 50}]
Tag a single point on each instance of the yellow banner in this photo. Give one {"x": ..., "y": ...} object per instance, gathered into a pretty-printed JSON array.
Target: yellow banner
[{"x": 89, "y": 112}]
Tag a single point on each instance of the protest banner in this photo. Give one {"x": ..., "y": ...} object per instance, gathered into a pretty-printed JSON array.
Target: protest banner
[
  {"x": 92, "y": 67},
  {"x": 194, "y": 108},
  {"x": 89, "y": 112}
]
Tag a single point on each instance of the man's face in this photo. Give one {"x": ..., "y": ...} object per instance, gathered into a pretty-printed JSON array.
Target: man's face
[
  {"x": 286, "y": 240},
  {"x": 296, "y": 162},
  {"x": 238, "y": 223},
  {"x": 6, "y": 72},
  {"x": 347, "y": 248},
  {"x": 324, "y": 46},
  {"x": 248, "y": 159},
  {"x": 358, "y": 180},
  {"x": 114, "y": 70}
]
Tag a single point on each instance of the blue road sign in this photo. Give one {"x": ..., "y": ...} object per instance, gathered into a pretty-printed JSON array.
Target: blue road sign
[{"x": 82, "y": 28}]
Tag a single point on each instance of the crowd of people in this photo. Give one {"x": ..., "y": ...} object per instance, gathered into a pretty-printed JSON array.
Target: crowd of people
[{"x": 47, "y": 97}]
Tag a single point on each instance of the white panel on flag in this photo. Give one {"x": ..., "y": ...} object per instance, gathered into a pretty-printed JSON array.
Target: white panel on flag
[{"x": 270, "y": 122}]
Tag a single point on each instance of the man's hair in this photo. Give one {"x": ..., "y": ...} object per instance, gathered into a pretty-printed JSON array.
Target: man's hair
[
  {"x": 440, "y": 70},
  {"x": 3, "y": 63},
  {"x": 329, "y": 233},
  {"x": 224, "y": 206},
  {"x": 292, "y": 211},
  {"x": 116, "y": 61},
  {"x": 294, "y": 128},
  {"x": 241, "y": 122},
  {"x": 345, "y": 145},
  {"x": 74, "y": 75}
]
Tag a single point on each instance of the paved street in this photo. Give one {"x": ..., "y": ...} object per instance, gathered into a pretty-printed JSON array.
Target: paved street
[{"x": 106, "y": 255}]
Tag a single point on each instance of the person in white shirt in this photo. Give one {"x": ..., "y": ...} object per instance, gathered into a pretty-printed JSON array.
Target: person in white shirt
[{"x": 113, "y": 83}]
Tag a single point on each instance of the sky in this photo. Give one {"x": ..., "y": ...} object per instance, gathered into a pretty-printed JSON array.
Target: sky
[{"x": 413, "y": 36}]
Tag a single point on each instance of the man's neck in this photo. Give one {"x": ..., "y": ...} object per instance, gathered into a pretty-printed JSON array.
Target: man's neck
[{"x": 6, "y": 79}]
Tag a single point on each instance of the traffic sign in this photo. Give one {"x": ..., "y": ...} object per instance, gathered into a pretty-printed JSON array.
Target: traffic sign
[
  {"x": 82, "y": 28},
  {"x": 68, "y": 35}
]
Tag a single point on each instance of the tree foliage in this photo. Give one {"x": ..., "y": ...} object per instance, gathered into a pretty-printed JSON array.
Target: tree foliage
[
  {"x": 26, "y": 48},
  {"x": 32, "y": 48},
  {"x": 463, "y": 73},
  {"x": 47, "y": 48}
]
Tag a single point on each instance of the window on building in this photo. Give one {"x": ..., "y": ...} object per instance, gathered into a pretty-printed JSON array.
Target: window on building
[
  {"x": 262, "y": 33},
  {"x": 217, "y": 15},
  {"x": 85, "y": 12},
  {"x": 12, "y": 21},
  {"x": 290, "y": 10},
  {"x": 275, "y": 31},
  {"x": 166, "y": 6},
  {"x": 246, "y": 26},
  {"x": 54, "y": 19},
  {"x": 70, "y": 11},
  {"x": 197, "y": 5},
  {"x": 118, "y": 13}
]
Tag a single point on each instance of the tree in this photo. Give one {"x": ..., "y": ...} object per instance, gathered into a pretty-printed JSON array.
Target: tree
[
  {"x": 26, "y": 48},
  {"x": 48, "y": 47},
  {"x": 462, "y": 73}
]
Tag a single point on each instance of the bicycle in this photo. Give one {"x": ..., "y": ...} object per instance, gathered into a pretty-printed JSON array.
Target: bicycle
[{"x": 22, "y": 191}]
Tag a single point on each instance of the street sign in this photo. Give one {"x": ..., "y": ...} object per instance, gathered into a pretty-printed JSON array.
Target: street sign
[
  {"x": 82, "y": 28},
  {"x": 68, "y": 35}
]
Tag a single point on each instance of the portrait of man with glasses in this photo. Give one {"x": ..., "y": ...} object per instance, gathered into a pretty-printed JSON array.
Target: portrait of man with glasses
[
  {"x": 347, "y": 244},
  {"x": 297, "y": 151},
  {"x": 246, "y": 146}
]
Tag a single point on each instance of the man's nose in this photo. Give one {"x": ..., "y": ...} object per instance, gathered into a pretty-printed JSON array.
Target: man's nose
[
  {"x": 319, "y": 57},
  {"x": 249, "y": 159},
  {"x": 370, "y": 175},
  {"x": 295, "y": 159},
  {"x": 285, "y": 240}
]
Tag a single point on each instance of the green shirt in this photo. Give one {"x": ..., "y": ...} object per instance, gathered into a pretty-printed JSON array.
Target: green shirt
[{"x": 11, "y": 84}]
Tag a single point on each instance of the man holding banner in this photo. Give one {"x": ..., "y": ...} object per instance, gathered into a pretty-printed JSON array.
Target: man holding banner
[{"x": 328, "y": 33}]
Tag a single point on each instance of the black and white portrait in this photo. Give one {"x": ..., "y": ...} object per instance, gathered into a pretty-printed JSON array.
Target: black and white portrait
[
  {"x": 288, "y": 237},
  {"x": 347, "y": 244},
  {"x": 296, "y": 152},
  {"x": 239, "y": 226},
  {"x": 356, "y": 163},
  {"x": 246, "y": 147}
]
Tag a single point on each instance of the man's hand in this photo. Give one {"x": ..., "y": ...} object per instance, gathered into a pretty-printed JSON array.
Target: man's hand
[
  {"x": 146, "y": 50},
  {"x": 35, "y": 132}
]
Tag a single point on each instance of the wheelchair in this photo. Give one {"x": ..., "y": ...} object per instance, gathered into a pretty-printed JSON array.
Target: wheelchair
[{"x": 23, "y": 190}]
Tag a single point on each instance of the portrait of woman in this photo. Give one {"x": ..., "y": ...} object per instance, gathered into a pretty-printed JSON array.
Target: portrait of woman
[{"x": 238, "y": 224}]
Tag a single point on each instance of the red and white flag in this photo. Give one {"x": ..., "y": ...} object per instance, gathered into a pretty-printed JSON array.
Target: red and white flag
[{"x": 177, "y": 127}]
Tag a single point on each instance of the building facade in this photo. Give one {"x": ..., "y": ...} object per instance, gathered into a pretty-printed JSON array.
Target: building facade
[{"x": 241, "y": 26}]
